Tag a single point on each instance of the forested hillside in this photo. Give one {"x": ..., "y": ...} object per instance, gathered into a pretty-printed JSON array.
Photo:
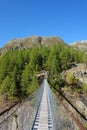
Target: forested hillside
[{"x": 18, "y": 68}]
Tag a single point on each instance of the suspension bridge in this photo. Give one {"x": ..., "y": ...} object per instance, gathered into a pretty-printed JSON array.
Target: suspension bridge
[{"x": 43, "y": 112}]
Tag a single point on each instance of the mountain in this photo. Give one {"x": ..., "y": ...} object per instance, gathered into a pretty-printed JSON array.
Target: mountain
[
  {"x": 81, "y": 45},
  {"x": 29, "y": 42}
]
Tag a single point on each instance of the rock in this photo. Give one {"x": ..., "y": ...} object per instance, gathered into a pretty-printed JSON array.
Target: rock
[{"x": 82, "y": 107}]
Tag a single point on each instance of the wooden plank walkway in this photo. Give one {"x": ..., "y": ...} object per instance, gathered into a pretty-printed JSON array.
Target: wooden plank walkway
[{"x": 43, "y": 119}]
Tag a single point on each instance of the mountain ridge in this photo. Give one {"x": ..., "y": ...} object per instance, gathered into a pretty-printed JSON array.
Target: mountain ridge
[
  {"x": 81, "y": 45},
  {"x": 30, "y": 42},
  {"x": 38, "y": 41},
  {"x": 34, "y": 39}
]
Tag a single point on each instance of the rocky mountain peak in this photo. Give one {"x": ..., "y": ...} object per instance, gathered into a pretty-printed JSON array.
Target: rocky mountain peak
[
  {"x": 79, "y": 42},
  {"x": 82, "y": 45},
  {"x": 30, "y": 42}
]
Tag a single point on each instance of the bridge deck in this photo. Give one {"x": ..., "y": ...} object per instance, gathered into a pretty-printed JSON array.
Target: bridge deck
[{"x": 43, "y": 119}]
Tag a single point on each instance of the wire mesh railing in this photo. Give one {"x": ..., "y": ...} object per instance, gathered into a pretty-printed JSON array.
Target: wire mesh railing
[{"x": 22, "y": 115}]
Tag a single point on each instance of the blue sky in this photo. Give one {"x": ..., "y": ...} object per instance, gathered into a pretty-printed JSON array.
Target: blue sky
[{"x": 64, "y": 18}]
